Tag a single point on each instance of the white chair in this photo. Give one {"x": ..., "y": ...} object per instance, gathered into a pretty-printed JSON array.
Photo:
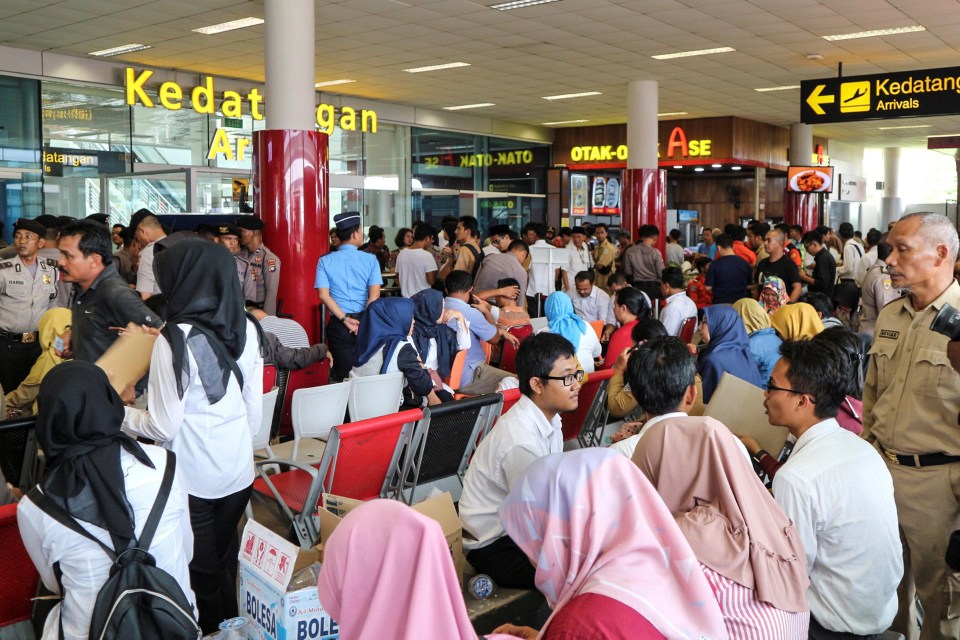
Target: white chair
[
  {"x": 375, "y": 396},
  {"x": 314, "y": 412},
  {"x": 261, "y": 441}
]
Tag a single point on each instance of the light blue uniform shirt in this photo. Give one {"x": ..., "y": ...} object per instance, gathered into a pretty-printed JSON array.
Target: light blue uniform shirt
[
  {"x": 480, "y": 331},
  {"x": 348, "y": 274}
]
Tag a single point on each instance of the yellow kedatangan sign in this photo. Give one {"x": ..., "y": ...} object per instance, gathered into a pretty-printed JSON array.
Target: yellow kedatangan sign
[{"x": 232, "y": 104}]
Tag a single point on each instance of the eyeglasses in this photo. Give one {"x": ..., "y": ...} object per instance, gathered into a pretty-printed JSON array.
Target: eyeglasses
[
  {"x": 568, "y": 379},
  {"x": 773, "y": 387}
]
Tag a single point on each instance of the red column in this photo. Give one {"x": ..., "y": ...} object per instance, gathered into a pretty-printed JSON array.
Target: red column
[
  {"x": 291, "y": 194},
  {"x": 645, "y": 202},
  {"x": 801, "y": 209}
]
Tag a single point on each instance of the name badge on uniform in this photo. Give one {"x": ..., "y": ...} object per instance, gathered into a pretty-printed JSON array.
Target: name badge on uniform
[
  {"x": 271, "y": 265},
  {"x": 17, "y": 267},
  {"x": 892, "y": 335}
]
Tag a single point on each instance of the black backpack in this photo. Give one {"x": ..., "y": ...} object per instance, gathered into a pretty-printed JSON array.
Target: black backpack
[{"x": 138, "y": 599}]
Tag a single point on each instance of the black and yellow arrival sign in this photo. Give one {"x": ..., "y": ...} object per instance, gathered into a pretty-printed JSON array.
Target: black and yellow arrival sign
[{"x": 931, "y": 92}]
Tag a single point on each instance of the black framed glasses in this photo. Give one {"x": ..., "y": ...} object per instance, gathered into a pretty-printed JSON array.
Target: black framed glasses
[
  {"x": 773, "y": 387},
  {"x": 568, "y": 379}
]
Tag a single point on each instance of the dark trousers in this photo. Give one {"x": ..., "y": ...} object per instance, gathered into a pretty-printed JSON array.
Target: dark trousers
[
  {"x": 16, "y": 359},
  {"x": 341, "y": 344},
  {"x": 817, "y": 632},
  {"x": 216, "y": 544},
  {"x": 649, "y": 287},
  {"x": 505, "y": 562},
  {"x": 535, "y": 306}
]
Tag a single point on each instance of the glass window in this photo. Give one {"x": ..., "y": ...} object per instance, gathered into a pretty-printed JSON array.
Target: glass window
[{"x": 21, "y": 192}]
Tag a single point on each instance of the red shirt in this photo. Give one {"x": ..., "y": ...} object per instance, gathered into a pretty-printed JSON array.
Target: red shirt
[
  {"x": 619, "y": 341},
  {"x": 590, "y": 616},
  {"x": 697, "y": 291},
  {"x": 744, "y": 252}
]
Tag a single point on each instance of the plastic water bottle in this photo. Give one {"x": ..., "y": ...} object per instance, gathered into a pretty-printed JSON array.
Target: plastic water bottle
[
  {"x": 235, "y": 629},
  {"x": 482, "y": 586}
]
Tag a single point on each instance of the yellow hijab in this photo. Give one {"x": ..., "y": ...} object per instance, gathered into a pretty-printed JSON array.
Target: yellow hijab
[
  {"x": 753, "y": 315},
  {"x": 798, "y": 321},
  {"x": 52, "y": 323}
]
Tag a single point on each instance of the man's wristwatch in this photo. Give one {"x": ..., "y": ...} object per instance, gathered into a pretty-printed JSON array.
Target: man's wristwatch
[{"x": 758, "y": 456}]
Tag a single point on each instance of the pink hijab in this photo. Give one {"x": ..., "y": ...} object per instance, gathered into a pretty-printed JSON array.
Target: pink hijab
[
  {"x": 729, "y": 518},
  {"x": 387, "y": 575},
  {"x": 591, "y": 523}
]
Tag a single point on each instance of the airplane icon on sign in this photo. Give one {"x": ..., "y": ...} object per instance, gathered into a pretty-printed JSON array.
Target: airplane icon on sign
[{"x": 859, "y": 94}]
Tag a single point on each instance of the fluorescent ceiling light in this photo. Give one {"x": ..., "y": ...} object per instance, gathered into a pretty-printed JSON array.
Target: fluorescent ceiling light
[
  {"x": 564, "y": 96},
  {"x": 563, "y": 122},
  {"x": 735, "y": 168},
  {"x": 783, "y": 88},
  {"x": 518, "y": 4},
  {"x": 330, "y": 83},
  {"x": 127, "y": 48},
  {"x": 698, "y": 169},
  {"x": 905, "y": 126},
  {"x": 716, "y": 166},
  {"x": 438, "y": 67},
  {"x": 877, "y": 32},
  {"x": 229, "y": 26},
  {"x": 470, "y": 106},
  {"x": 687, "y": 54},
  {"x": 678, "y": 166},
  {"x": 671, "y": 113}
]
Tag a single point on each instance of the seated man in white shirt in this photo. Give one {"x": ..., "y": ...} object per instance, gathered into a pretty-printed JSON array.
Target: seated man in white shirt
[
  {"x": 837, "y": 490},
  {"x": 615, "y": 282},
  {"x": 677, "y": 305},
  {"x": 550, "y": 384},
  {"x": 590, "y": 302}
]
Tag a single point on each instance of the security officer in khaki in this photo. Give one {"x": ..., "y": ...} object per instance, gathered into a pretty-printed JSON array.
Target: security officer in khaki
[
  {"x": 264, "y": 264},
  {"x": 229, "y": 236},
  {"x": 28, "y": 287},
  {"x": 911, "y": 401}
]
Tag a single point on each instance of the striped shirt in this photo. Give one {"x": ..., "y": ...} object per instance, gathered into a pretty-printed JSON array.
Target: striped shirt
[{"x": 750, "y": 619}]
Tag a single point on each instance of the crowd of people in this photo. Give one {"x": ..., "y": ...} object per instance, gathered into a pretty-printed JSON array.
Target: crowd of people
[{"x": 671, "y": 533}]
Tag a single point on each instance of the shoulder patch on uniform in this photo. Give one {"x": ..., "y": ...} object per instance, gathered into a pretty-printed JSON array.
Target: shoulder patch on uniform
[
  {"x": 5, "y": 265},
  {"x": 887, "y": 333},
  {"x": 52, "y": 262},
  {"x": 271, "y": 265}
]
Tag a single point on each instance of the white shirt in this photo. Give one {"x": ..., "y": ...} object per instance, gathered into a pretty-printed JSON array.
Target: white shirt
[
  {"x": 588, "y": 348},
  {"x": 595, "y": 306},
  {"x": 413, "y": 265},
  {"x": 852, "y": 254},
  {"x": 628, "y": 445},
  {"x": 675, "y": 253},
  {"x": 522, "y": 436},
  {"x": 85, "y": 566},
  {"x": 838, "y": 492},
  {"x": 577, "y": 260},
  {"x": 676, "y": 309},
  {"x": 541, "y": 275},
  {"x": 490, "y": 250},
  {"x": 146, "y": 281},
  {"x": 213, "y": 442}
]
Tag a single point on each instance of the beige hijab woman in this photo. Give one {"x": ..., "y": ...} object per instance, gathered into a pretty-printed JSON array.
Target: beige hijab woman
[
  {"x": 753, "y": 315},
  {"x": 798, "y": 321}
]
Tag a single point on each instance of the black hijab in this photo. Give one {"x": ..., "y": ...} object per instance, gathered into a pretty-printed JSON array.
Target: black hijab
[
  {"x": 428, "y": 306},
  {"x": 200, "y": 282},
  {"x": 78, "y": 427}
]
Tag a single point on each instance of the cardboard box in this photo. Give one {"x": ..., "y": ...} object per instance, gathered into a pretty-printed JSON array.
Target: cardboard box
[
  {"x": 440, "y": 508},
  {"x": 739, "y": 405},
  {"x": 267, "y": 564}
]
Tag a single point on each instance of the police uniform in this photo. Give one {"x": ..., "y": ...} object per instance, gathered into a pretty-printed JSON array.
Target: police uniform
[
  {"x": 347, "y": 273},
  {"x": 911, "y": 401},
  {"x": 264, "y": 267},
  {"x": 243, "y": 269},
  {"x": 24, "y": 297}
]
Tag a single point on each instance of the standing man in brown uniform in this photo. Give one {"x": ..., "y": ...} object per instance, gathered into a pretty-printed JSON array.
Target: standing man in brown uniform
[
  {"x": 643, "y": 263},
  {"x": 264, "y": 264},
  {"x": 604, "y": 256},
  {"x": 911, "y": 400}
]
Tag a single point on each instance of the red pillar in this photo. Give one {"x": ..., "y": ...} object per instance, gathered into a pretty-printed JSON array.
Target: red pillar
[
  {"x": 291, "y": 194},
  {"x": 645, "y": 202},
  {"x": 801, "y": 209}
]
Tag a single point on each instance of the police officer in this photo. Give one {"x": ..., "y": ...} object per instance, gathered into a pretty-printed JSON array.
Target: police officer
[
  {"x": 347, "y": 281},
  {"x": 28, "y": 287},
  {"x": 264, "y": 264},
  {"x": 229, "y": 236}
]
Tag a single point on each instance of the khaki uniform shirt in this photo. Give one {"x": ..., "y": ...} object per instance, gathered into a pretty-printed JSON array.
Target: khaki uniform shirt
[
  {"x": 245, "y": 274},
  {"x": 605, "y": 255},
  {"x": 911, "y": 398},
  {"x": 643, "y": 263},
  {"x": 24, "y": 298},
  {"x": 265, "y": 272}
]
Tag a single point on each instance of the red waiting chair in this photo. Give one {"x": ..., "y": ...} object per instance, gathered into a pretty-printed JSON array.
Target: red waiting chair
[
  {"x": 269, "y": 377},
  {"x": 315, "y": 375},
  {"x": 18, "y": 576},
  {"x": 586, "y": 422},
  {"x": 686, "y": 329},
  {"x": 509, "y": 355}
]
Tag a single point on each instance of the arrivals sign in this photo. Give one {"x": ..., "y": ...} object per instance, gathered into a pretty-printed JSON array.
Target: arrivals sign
[{"x": 931, "y": 92}]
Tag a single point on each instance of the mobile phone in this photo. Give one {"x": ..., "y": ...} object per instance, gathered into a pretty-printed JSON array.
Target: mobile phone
[{"x": 58, "y": 343}]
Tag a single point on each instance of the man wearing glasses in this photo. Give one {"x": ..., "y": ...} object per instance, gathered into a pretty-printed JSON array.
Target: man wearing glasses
[
  {"x": 550, "y": 383},
  {"x": 838, "y": 492}
]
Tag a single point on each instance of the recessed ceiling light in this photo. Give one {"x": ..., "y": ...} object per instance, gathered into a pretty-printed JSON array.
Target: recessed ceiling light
[
  {"x": 735, "y": 168},
  {"x": 671, "y": 113},
  {"x": 678, "y": 166},
  {"x": 229, "y": 26},
  {"x": 905, "y": 126},
  {"x": 127, "y": 48},
  {"x": 688, "y": 54},
  {"x": 438, "y": 67},
  {"x": 518, "y": 4},
  {"x": 716, "y": 166},
  {"x": 698, "y": 169},
  {"x": 874, "y": 33},
  {"x": 330, "y": 83},
  {"x": 470, "y": 106},
  {"x": 782, "y": 88},
  {"x": 564, "y": 96},
  {"x": 548, "y": 124}
]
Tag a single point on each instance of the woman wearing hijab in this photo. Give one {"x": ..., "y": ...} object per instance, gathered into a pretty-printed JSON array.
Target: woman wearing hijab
[
  {"x": 773, "y": 294},
  {"x": 728, "y": 349},
  {"x": 623, "y": 568},
  {"x": 105, "y": 481},
  {"x": 747, "y": 548},
  {"x": 387, "y": 575},
  {"x": 384, "y": 345},
  {"x": 798, "y": 321},
  {"x": 433, "y": 338},
  {"x": 204, "y": 401},
  {"x": 562, "y": 320},
  {"x": 22, "y": 400},
  {"x": 764, "y": 342}
]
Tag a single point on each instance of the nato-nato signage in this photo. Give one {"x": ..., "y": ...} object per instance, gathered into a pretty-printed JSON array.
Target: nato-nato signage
[{"x": 931, "y": 92}]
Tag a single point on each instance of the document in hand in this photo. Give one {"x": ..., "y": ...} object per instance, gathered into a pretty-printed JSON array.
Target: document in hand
[
  {"x": 739, "y": 405},
  {"x": 128, "y": 358}
]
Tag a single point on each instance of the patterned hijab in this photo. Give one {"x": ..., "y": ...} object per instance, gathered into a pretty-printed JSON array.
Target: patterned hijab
[{"x": 778, "y": 286}]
